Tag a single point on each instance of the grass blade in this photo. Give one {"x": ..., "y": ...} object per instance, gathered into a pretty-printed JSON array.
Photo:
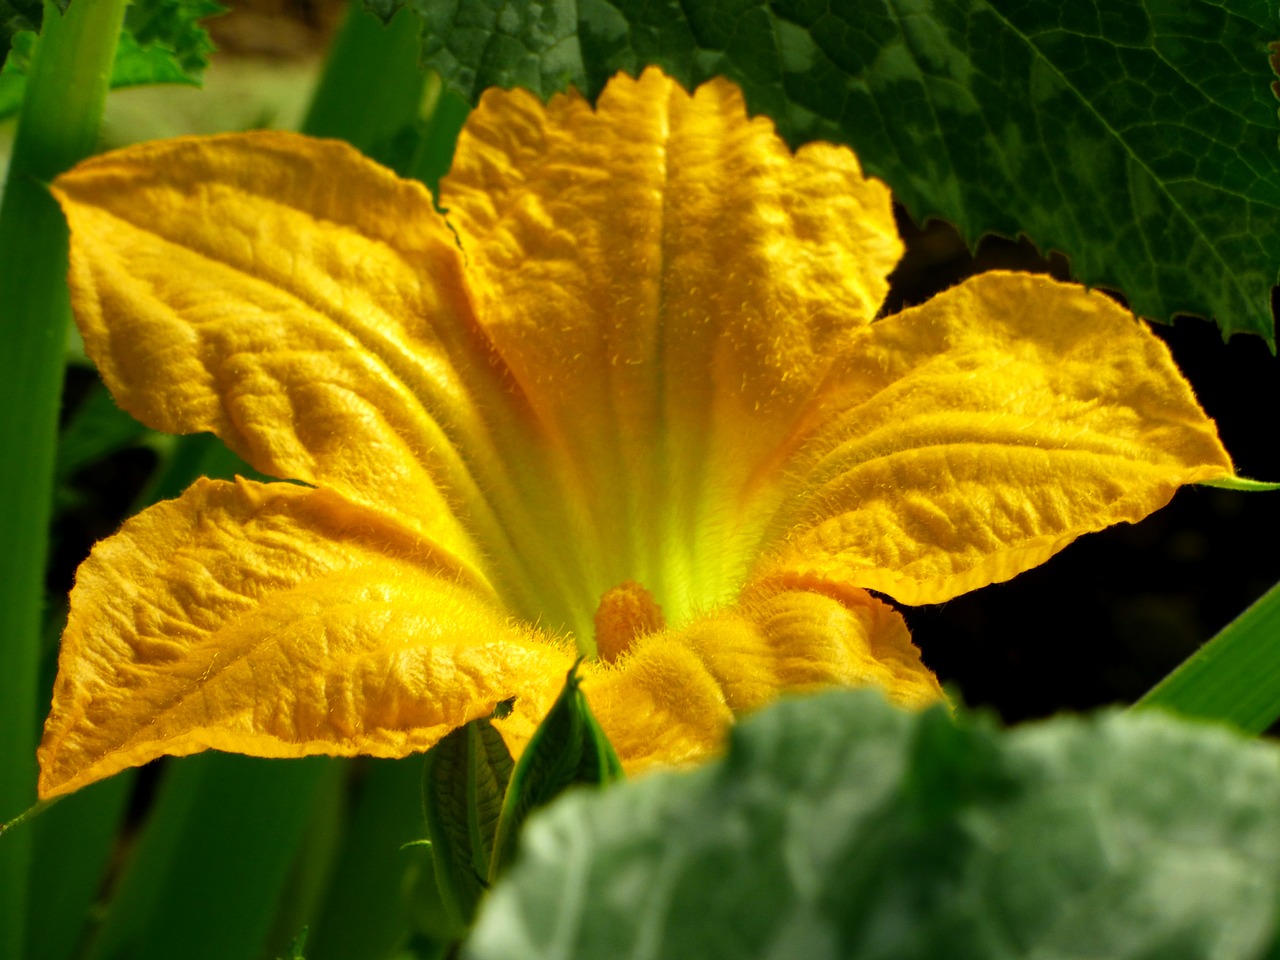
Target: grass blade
[{"x": 1235, "y": 677}]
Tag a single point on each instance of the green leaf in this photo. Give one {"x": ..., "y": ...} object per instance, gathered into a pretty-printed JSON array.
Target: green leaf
[
  {"x": 212, "y": 861},
  {"x": 384, "y": 10},
  {"x": 1242, "y": 484},
  {"x": 463, "y": 782},
  {"x": 1138, "y": 138},
  {"x": 75, "y": 842},
  {"x": 1235, "y": 677},
  {"x": 838, "y": 826},
  {"x": 173, "y": 26},
  {"x": 298, "y": 945},
  {"x": 13, "y": 77},
  {"x": 568, "y": 747},
  {"x": 162, "y": 42},
  {"x": 366, "y": 910}
]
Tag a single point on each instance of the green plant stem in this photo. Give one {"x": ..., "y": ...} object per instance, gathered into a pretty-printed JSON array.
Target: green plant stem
[
  {"x": 74, "y": 841},
  {"x": 371, "y": 86},
  {"x": 366, "y": 910},
  {"x": 57, "y": 126},
  {"x": 445, "y": 114},
  {"x": 1235, "y": 677},
  {"x": 213, "y": 859}
]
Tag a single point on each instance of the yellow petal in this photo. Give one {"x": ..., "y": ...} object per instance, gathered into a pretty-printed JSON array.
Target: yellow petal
[
  {"x": 279, "y": 621},
  {"x": 964, "y": 441},
  {"x": 309, "y": 308},
  {"x": 671, "y": 697},
  {"x": 667, "y": 283}
]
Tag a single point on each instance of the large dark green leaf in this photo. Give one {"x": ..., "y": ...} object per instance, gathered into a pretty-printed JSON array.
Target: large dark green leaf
[
  {"x": 839, "y": 827},
  {"x": 1137, "y": 137}
]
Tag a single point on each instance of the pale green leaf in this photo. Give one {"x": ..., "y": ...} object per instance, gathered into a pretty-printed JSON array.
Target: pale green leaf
[{"x": 838, "y": 826}]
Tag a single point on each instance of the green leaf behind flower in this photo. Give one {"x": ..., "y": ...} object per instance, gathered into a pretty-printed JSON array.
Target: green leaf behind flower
[
  {"x": 838, "y": 826},
  {"x": 162, "y": 42},
  {"x": 1138, "y": 138},
  {"x": 464, "y": 781}
]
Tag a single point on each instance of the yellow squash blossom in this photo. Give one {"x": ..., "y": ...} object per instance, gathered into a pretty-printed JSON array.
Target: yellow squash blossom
[{"x": 625, "y": 397}]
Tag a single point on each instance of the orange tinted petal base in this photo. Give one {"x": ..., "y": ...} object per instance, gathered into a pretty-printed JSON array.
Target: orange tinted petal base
[
  {"x": 667, "y": 283},
  {"x": 671, "y": 697}
]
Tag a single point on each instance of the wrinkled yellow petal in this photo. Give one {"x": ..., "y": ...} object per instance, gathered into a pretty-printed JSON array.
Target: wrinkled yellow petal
[
  {"x": 641, "y": 374},
  {"x": 670, "y": 699},
  {"x": 966, "y": 440},
  {"x": 308, "y": 307},
  {"x": 279, "y": 621},
  {"x": 667, "y": 283}
]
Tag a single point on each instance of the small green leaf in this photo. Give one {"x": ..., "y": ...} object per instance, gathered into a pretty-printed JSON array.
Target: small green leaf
[
  {"x": 138, "y": 65},
  {"x": 162, "y": 42},
  {"x": 13, "y": 75},
  {"x": 838, "y": 826},
  {"x": 1235, "y": 677},
  {"x": 1138, "y": 138},
  {"x": 568, "y": 747},
  {"x": 463, "y": 782}
]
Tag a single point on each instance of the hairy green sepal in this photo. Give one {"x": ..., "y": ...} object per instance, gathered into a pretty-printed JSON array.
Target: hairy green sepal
[
  {"x": 476, "y": 799},
  {"x": 464, "y": 779},
  {"x": 568, "y": 748}
]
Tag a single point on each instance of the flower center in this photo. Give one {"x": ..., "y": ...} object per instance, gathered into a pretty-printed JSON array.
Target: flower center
[{"x": 626, "y": 612}]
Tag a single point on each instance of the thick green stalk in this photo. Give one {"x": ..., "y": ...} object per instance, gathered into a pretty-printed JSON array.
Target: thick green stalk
[
  {"x": 1235, "y": 677},
  {"x": 213, "y": 860},
  {"x": 74, "y": 840},
  {"x": 58, "y": 125},
  {"x": 445, "y": 114},
  {"x": 371, "y": 86},
  {"x": 366, "y": 911}
]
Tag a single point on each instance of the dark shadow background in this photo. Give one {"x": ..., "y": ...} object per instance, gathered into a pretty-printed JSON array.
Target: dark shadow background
[{"x": 1107, "y": 618}]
